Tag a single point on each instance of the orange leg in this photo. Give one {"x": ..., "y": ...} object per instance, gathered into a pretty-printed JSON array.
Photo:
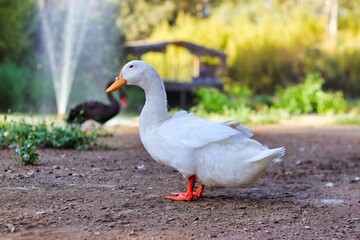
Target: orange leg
[
  {"x": 189, "y": 194},
  {"x": 198, "y": 191}
]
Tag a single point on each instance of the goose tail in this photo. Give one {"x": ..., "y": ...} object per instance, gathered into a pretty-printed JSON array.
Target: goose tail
[{"x": 269, "y": 155}]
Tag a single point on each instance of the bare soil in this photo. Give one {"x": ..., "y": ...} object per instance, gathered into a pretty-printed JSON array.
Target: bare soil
[{"x": 314, "y": 193}]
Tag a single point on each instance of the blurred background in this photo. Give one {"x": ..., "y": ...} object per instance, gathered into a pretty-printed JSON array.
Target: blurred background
[{"x": 282, "y": 57}]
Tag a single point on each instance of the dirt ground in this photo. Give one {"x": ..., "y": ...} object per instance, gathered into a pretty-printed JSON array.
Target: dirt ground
[{"x": 314, "y": 193}]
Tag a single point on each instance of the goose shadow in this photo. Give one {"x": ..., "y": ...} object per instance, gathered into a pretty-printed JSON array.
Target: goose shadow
[{"x": 259, "y": 196}]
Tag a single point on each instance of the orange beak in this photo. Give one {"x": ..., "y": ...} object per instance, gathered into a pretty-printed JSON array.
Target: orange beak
[{"x": 119, "y": 83}]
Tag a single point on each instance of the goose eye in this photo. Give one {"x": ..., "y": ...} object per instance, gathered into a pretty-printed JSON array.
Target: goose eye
[{"x": 131, "y": 66}]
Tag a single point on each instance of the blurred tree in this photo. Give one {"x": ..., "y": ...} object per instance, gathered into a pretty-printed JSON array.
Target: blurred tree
[
  {"x": 19, "y": 63},
  {"x": 349, "y": 15},
  {"x": 15, "y": 16},
  {"x": 20, "y": 88},
  {"x": 139, "y": 17}
]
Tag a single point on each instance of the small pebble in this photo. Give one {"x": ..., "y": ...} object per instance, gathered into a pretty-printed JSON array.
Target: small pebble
[
  {"x": 40, "y": 212},
  {"x": 329, "y": 184},
  {"x": 112, "y": 224},
  {"x": 140, "y": 167},
  {"x": 356, "y": 179},
  {"x": 11, "y": 227}
]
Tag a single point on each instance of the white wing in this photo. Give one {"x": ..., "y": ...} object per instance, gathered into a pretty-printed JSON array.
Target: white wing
[
  {"x": 245, "y": 131},
  {"x": 193, "y": 131}
]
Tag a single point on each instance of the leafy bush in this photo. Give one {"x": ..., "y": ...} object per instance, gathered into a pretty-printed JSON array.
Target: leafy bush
[
  {"x": 28, "y": 137},
  {"x": 238, "y": 103},
  {"x": 308, "y": 97},
  {"x": 212, "y": 100},
  {"x": 69, "y": 136},
  {"x": 222, "y": 105}
]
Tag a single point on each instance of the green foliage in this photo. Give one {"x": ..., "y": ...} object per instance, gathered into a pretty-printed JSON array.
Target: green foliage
[
  {"x": 340, "y": 68},
  {"x": 308, "y": 97},
  {"x": 23, "y": 89},
  {"x": 212, "y": 100},
  {"x": 272, "y": 47},
  {"x": 69, "y": 136},
  {"x": 264, "y": 51},
  {"x": 15, "y": 18},
  {"x": 218, "y": 105},
  {"x": 13, "y": 80},
  {"x": 138, "y": 18},
  {"x": 26, "y": 152},
  {"x": 239, "y": 91},
  {"x": 350, "y": 20},
  {"x": 238, "y": 103},
  {"x": 18, "y": 42},
  {"x": 28, "y": 137}
]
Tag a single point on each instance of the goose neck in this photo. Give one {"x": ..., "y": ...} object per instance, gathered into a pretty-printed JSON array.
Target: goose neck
[{"x": 154, "y": 111}]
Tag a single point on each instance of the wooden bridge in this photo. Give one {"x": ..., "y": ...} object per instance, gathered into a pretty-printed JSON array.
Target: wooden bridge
[{"x": 205, "y": 68}]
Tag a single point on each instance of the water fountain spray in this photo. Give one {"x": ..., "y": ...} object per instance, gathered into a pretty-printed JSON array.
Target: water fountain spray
[{"x": 64, "y": 24}]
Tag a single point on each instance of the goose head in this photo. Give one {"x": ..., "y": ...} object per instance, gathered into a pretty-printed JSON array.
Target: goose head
[{"x": 137, "y": 73}]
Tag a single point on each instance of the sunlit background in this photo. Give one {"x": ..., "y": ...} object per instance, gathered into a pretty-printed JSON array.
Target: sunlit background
[{"x": 283, "y": 57}]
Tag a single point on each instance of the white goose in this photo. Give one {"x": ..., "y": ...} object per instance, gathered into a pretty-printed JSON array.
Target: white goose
[{"x": 208, "y": 152}]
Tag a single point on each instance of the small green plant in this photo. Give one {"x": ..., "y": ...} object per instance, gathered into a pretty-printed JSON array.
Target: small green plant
[{"x": 26, "y": 152}]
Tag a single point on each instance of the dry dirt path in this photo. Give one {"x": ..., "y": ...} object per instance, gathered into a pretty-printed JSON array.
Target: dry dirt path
[{"x": 314, "y": 193}]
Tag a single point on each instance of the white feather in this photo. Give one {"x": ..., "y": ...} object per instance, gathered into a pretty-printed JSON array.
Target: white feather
[{"x": 194, "y": 131}]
